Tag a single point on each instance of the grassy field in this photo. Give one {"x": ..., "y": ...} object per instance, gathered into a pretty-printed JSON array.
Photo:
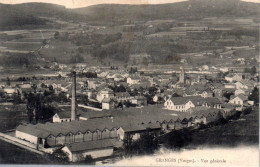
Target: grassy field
[
  {"x": 11, "y": 154},
  {"x": 244, "y": 131},
  {"x": 11, "y": 116}
]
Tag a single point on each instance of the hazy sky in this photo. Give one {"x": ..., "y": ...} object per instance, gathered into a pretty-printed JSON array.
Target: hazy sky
[{"x": 83, "y": 3}]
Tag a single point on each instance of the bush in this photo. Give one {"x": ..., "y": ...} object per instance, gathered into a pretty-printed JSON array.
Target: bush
[
  {"x": 178, "y": 139},
  {"x": 247, "y": 110},
  {"x": 89, "y": 160},
  {"x": 146, "y": 144},
  {"x": 60, "y": 155}
]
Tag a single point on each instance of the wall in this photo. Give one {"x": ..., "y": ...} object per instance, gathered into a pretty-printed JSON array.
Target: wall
[
  {"x": 78, "y": 137},
  {"x": 25, "y": 136},
  {"x": 121, "y": 133},
  {"x": 78, "y": 156},
  {"x": 88, "y": 136},
  {"x": 99, "y": 153}
]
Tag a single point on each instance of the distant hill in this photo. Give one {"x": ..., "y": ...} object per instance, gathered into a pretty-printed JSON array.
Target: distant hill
[
  {"x": 193, "y": 9},
  {"x": 30, "y": 13}
]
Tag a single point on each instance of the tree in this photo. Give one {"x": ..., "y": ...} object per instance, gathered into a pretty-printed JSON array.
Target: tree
[
  {"x": 8, "y": 82},
  {"x": 89, "y": 160},
  {"x": 254, "y": 96},
  {"x": 44, "y": 42},
  {"x": 160, "y": 99},
  {"x": 56, "y": 35},
  {"x": 253, "y": 70},
  {"x": 228, "y": 94},
  {"x": 16, "y": 98},
  {"x": 37, "y": 108},
  {"x": 177, "y": 139},
  {"x": 145, "y": 61},
  {"x": 146, "y": 144},
  {"x": 152, "y": 90},
  {"x": 120, "y": 105},
  {"x": 60, "y": 154}
]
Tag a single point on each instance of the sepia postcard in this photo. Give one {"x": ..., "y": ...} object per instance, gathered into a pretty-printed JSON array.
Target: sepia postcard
[{"x": 129, "y": 82}]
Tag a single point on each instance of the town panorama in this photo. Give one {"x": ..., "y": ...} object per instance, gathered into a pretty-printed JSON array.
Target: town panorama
[{"x": 104, "y": 83}]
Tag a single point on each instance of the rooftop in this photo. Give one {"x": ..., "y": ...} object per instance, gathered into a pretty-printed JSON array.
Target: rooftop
[{"x": 90, "y": 145}]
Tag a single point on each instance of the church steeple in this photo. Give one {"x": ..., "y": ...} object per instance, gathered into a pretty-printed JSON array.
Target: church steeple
[{"x": 182, "y": 75}]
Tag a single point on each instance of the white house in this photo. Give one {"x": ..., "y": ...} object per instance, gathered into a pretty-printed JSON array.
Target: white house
[
  {"x": 133, "y": 80},
  {"x": 230, "y": 85},
  {"x": 233, "y": 77},
  {"x": 61, "y": 117},
  {"x": 108, "y": 103},
  {"x": 239, "y": 100},
  {"x": 10, "y": 90},
  {"x": 178, "y": 104},
  {"x": 242, "y": 91},
  {"x": 105, "y": 93},
  {"x": 123, "y": 96},
  {"x": 102, "y": 74},
  {"x": 205, "y": 93}
]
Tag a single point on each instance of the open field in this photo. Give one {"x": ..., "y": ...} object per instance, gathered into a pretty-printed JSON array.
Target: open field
[
  {"x": 11, "y": 116},
  {"x": 244, "y": 131},
  {"x": 11, "y": 154},
  {"x": 23, "y": 72}
]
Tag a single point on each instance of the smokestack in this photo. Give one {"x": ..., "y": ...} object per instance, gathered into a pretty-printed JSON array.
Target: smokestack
[{"x": 73, "y": 99}]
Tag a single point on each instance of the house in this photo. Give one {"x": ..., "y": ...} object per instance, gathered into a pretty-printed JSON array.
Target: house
[
  {"x": 242, "y": 91},
  {"x": 122, "y": 96},
  {"x": 230, "y": 86},
  {"x": 217, "y": 92},
  {"x": 62, "y": 117},
  {"x": 190, "y": 92},
  {"x": 233, "y": 77},
  {"x": 118, "y": 78},
  {"x": 105, "y": 93},
  {"x": 212, "y": 102},
  {"x": 133, "y": 80},
  {"x": 228, "y": 110},
  {"x": 95, "y": 149},
  {"x": 205, "y": 93},
  {"x": 239, "y": 100},
  {"x": 91, "y": 93},
  {"x": 93, "y": 83},
  {"x": 179, "y": 104},
  {"x": 108, "y": 103},
  {"x": 102, "y": 74},
  {"x": 10, "y": 90},
  {"x": 205, "y": 115},
  {"x": 135, "y": 131},
  {"x": 115, "y": 77},
  {"x": 244, "y": 84},
  {"x": 25, "y": 91},
  {"x": 26, "y": 85},
  {"x": 139, "y": 101},
  {"x": 158, "y": 97},
  {"x": 182, "y": 104}
]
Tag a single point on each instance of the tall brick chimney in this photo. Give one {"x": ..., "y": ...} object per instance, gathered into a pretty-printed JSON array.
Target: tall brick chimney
[{"x": 73, "y": 98}]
